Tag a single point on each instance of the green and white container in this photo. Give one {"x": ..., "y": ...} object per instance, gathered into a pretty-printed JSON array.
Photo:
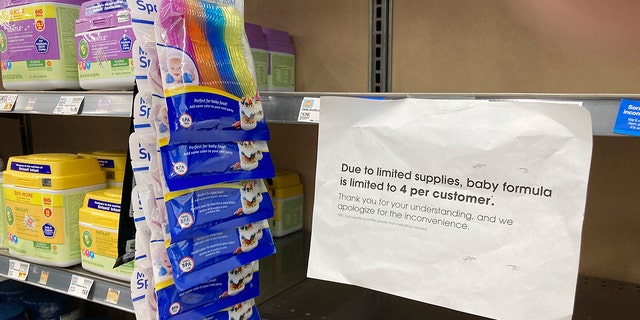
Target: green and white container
[
  {"x": 43, "y": 194},
  {"x": 99, "y": 220},
  {"x": 287, "y": 196}
]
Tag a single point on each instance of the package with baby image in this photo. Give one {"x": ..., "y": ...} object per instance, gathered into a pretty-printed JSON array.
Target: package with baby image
[{"x": 207, "y": 74}]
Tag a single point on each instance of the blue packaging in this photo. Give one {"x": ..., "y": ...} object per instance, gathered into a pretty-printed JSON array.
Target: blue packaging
[
  {"x": 202, "y": 211},
  {"x": 204, "y": 114},
  {"x": 45, "y": 304},
  {"x": 198, "y": 260},
  {"x": 242, "y": 311},
  {"x": 12, "y": 311},
  {"x": 193, "y": 165},
  {"x": 228, "y": 289},
  {"x": 13, "y": 291}
]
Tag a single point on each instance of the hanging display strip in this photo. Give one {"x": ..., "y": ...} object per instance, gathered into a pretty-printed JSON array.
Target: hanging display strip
[{"x": 113, "y": 293}]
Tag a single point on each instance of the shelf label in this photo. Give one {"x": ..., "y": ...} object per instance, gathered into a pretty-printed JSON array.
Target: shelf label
[
  {"x": 80, "y": 286},
  {"x": 31, "y": 102},
  {"x": 628, "y": 120},
  {"x": 18, "y": 270},
  {"x": 112, "y": 296},
  {"x": 44, "y": 278},
  {"x": 8, "y": 101},
  {"x": 68, "y": 105},
  {"x": 309, "y": 110}
]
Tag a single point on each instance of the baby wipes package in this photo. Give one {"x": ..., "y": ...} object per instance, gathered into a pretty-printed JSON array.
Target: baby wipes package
[
  {"x": 202, "y": 211},
  {"x": 245, "y": 310},
  {"x": 287, "y": 195},
  {"x": 104, "y": 40},
  {"x": 37, "y": 44},
  {"x": 43, "y": 194},
  {"x": 99, "y": 219},
  {"x": 230, "y": 288},
  {"x": 113, "y": 163},
  {"x": 200, "y": 259}
]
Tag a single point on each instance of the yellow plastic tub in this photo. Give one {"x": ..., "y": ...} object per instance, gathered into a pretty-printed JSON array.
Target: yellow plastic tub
[
  {"x": 43, "y": 194},
  {"x": 113, "y": 163},
  {"x": 99, "y": 219},
  {"x": 287, "y": 196}
]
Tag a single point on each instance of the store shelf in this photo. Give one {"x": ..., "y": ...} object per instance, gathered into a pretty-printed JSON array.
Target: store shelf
[
  {"x": 284, "y": 107},
  {"x": 288, "y": 294},
  {"x": 95, "y": 103},
  {"x": 59, "y": 280}
]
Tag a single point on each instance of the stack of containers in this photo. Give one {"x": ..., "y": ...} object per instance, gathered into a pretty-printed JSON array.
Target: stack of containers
[
  {"x": 3, "y": 217},
  {"x": 43, "y": 194},
  {"x": 37, "y": 45},
  {"x": 282, "y": 60},
  {"x": 104, "y": 41},
  {"x": 199, "y": 157},
  {"x": 259, "y": 52}
]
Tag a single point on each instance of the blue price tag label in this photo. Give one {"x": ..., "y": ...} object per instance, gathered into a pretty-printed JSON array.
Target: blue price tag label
[{"x": 628, "y": 120}]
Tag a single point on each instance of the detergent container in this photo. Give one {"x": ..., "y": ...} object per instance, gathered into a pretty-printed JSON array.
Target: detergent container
[{"x": 43, "y": 194}]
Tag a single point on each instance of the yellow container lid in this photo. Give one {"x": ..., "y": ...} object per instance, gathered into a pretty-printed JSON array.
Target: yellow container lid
[
  {"x": 283, "y": 179},
  {"x": 55, "y": 171},
  {"x": 102, "y": 208},
  {"x": 111, "y": 161},
  {"x": 288, "y": 192}
]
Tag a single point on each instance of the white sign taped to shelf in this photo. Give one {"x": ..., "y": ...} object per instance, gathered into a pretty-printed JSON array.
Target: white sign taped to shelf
[{"x": 471, "y": 205}]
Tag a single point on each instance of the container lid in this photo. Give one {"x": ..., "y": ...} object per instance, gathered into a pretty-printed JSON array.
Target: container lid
[
  {"x": 288, "y": 192},
  {"x": 11, "y": 311},
  {"x": 102, "y": 208},
  {"x": 276, "y": 35},
  {"x": 55, "y": 171},
  {"x": 114, "y": 161},
  {"x": 102, "y": 14},
  {"x": 283, "y": 179},
  {"x": 15, "y": 3}
]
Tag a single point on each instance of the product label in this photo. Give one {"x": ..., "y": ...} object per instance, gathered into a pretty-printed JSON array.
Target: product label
[
  {"x": 288, "y": 213},
  {"x": 43, "y": 226},
  {"x": 104, "y": 205},
  {"x": 39, "y": 50},
  {"x": 218, "y": 207},
  {"x": 105, "y": 6},
  {"x": 193, "y": 165},
  {"x": 99, "y": 249},
  {"x": 261, "y": 64},
  {"x": 281, "y": 71},
  {"x": 105, "y": 54},
  {"x": 245, "y": 310},
  {"x": 30, "y": 167},
  {"x": 195, "y": 113},
  {"x": 106, "y": 163}
]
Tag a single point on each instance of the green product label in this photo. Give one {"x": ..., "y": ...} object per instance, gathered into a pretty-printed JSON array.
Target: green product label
[
  {"x": 10, "y": 216},
  {"x": 3, "y": 41},
  {"x": 42, "y": 245},
  {"x": 35, "y": 64},
  {"x": 87, "y": 239},
  {"x": 83, "y": 49},
  {"x": 117, "y": 63},
  {"x": 117, "y": 68},
  {"x": 261, "y": 65},
  {"x": 282, "y": 74}
]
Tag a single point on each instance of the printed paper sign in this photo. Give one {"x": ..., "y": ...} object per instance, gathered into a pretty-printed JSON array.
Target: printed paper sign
[
  {"x": 471, "y": 205},
  {"x": 628, "y": 120}
]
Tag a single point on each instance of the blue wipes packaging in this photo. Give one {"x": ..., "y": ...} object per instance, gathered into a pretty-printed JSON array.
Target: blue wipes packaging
[
  {"x": 205, "y": 114},
  {"x": 193, "y": 165},
  {"x": 246, "y": 310},
  {"x": 231, "y": 288},
  {"x": 198, "y": 260},
  {"x": 201, "y": 211}
]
